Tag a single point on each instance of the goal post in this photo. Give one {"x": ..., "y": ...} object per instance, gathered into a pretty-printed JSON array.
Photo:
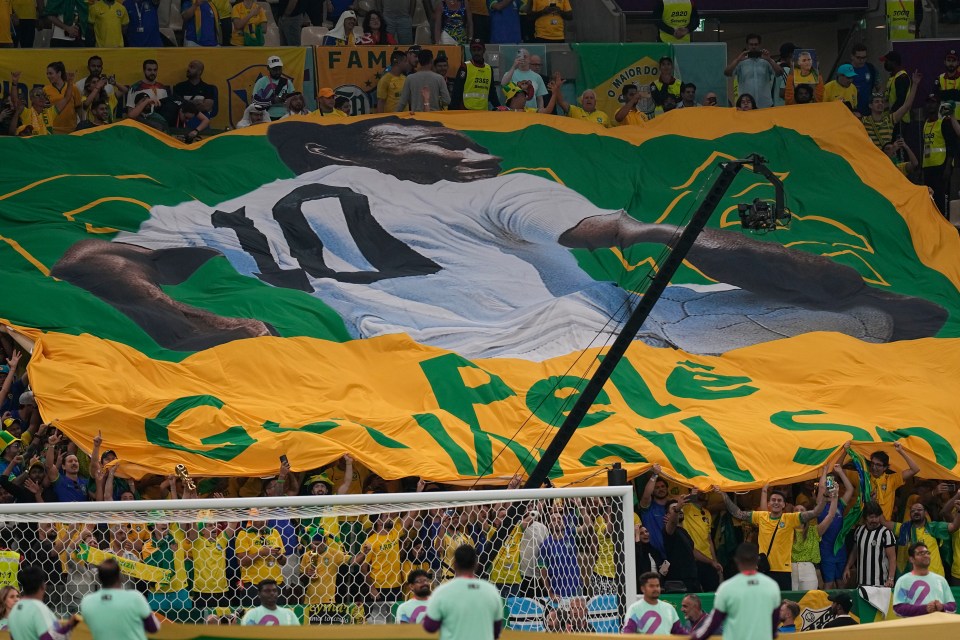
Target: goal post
[{"x": 563, "y": 559}]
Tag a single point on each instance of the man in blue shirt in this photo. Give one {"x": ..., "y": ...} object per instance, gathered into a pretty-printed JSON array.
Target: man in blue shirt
[
  {"x": 201, "y": 24},
  {"x": 557, "y": 560},
  {"x": 653, "y": 508},
  {"x": 144, "y": 27},
  {"x": 866, "y": 80}
]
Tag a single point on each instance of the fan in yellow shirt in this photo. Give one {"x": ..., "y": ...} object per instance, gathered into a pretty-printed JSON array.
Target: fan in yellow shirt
[
  {"x": 588, "y": 100},
  {"x": 63, "y": 95},
  {"x": 6, "y": 14},
  {"x": 249, "y": 24},
  {"x": 321, "y": 559},
  {"x": 259, "y": 549},
  {"x": 109, "y": 19},
  {"x": 549, "y": 17},
  {"x": 382, "y": 552},
  {"x": 842, "y": 88},
  {"x": 208, "y": 550},
  {"x": 40, "y": 117}
]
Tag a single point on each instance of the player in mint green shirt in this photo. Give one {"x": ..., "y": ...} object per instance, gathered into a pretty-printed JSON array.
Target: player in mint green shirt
[
  {"x": 268, "y": 613},
  {"x": 31, "y": 619},
  {"x": 747, "y": 605},
  {"x": 465, "y": 608},
  {"x": 113, "y": 613},
  {"x": 921, "y": 591},
  {"x": 651, "y": 615},
  {"x": 420, "y": 583}
]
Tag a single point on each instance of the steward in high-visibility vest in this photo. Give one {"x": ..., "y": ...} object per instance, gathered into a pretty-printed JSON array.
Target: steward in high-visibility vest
[
  {"x": 903, "y": 19},
  {"x": 947, "y": 85},
  {"x": 676, "y": 20},
  {"x": 666, "y": 82},
  {"x": 473, "y": 88},
  {"x": 898, "y": 85},
  {"x": 940, "y": 133}
]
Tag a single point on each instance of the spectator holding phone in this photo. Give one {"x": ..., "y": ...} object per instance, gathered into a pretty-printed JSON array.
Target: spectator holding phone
[{"x": 755, "y": 72}]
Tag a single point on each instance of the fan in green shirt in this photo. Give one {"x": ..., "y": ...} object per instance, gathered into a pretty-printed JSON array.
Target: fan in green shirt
[
  {"x": 114, "y": 613},
  {"x": 31, "y": 619}
]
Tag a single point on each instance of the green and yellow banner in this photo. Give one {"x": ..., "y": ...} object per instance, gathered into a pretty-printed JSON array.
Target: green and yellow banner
[
  {"x": 231, "y": 70},
  {"x": 607, "y": 68},
  {"x": 132, "y": 568},
  {"x": 429, "y": 294}
]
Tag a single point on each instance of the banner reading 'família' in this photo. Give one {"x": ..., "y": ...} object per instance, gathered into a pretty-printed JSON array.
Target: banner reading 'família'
[{"x": 427, "y": 294}]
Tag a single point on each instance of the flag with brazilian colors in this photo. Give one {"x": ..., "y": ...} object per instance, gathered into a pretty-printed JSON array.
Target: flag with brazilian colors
[{"x": 428, "y": 294}]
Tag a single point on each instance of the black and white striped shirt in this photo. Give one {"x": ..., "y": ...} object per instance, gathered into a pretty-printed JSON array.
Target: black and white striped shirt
[{"x": 872, "y": 569}]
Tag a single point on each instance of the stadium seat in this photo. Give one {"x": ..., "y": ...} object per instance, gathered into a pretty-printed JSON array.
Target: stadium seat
[
  {"x": 603, "y": 615},
  {"x": 423, "y": 35},
  {"x": 272, "y": 37},
  {"x": 525, "y": 614},
  {"x": 312, "y": 35}
]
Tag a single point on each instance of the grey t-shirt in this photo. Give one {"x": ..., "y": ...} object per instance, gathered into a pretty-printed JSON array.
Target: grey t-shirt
[{"x": 411, "y": 94}]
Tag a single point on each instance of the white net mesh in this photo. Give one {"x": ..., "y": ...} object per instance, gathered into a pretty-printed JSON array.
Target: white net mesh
[{"x": 557, "y": 556}]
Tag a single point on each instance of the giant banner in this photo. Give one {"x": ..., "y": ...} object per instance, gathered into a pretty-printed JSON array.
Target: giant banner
[
  {"x": 428, "y": 293},
  {"x": 232, "y": 70},
  {"x": 354, "y": 72}
]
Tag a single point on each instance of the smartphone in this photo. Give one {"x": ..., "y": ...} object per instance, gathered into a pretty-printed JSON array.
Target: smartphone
[
  {"x": 283, "y": 459},
  {"x": 754, "y": 54},
  {"x": 951, "y": 487}
]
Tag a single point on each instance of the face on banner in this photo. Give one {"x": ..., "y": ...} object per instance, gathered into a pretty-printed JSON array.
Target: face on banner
[{"x": 439, "y": 288}]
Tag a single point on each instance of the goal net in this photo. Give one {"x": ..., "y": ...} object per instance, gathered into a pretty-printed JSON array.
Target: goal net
[{"x": 563, "y": 559}]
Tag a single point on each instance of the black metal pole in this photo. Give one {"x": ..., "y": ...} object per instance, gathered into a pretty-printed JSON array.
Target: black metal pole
[{"x": 698, "y": 221}]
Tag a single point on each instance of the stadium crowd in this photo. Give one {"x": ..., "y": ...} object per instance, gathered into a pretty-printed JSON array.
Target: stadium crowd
[{"x": 815, "y": 534}]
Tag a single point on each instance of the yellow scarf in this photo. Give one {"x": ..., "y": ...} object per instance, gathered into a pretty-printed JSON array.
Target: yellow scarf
[{"x": 132, "y": 568}]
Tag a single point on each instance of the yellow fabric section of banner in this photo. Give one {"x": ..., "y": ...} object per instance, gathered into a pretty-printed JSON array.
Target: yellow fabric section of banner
[
  {"x": 232, "y": 70},
  {"x": 738, "y": 420},
  {"x": 132, "y": 568}
]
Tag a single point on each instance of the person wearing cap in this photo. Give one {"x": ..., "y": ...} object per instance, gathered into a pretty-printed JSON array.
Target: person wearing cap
[
  {"x": 274, "y": 88},
  {"x": 903, "y": 19},
  {"x": 327, "y": 103},
  {"x": 676, "y": 20},
  {"x": 841, "y": 608},
  {"x": 866, "y": 79},
  {"x": 473, "y": 88},
  {"x": 947, "y": 85},
  {"x": 786, "y": 64},
  {"x": 413, "y": 58},
  {"x": 898, "y": 85},
  {"x": 940, "y": 141},
  {"x": 319, "y": 564},
  {"x": 665, "y": 82},
  {"x": 391, "y": 83},
  {"x": 516, "y": 97},
  {"x": 842, "y": 88},
  {"x": 504, "y": 21}
]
